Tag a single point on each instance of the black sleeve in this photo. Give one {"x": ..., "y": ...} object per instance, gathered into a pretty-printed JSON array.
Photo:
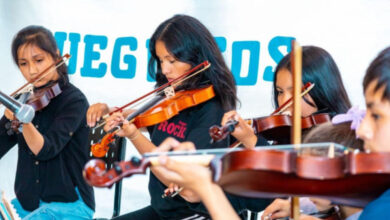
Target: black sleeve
[
  {"x": 6, "y": 141},
  {"x": 62, "y": 128},
  {"x": 199, "y": 134},
  {"x": 261, "y": 141}
]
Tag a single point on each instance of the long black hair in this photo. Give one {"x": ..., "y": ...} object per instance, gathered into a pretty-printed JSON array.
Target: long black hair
[
  {"x": 379, "y": 70},
  {"x": 318, "y": 67},
  {"x": 190, "y": 42},
  {"x": 41, "y": 37}
]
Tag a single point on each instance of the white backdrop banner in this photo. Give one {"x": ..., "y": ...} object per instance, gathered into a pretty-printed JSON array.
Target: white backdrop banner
[{"x": 108, "y": 42}]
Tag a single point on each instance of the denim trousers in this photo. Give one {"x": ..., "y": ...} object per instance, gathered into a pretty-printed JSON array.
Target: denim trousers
[{"x": 77, "y": 210}]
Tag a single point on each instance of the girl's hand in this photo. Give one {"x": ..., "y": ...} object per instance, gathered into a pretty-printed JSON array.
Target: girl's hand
[
  {"x": 186, "y": 194},
  {"x": 95, "y": 112},
  {"x": 279, "y": 208},
  {"x": 172, "y": 188},
  {"x": 190, "y": 176},
  {"x": 127, "y": 130},
  {"x": 8, "y": 114},
  {"x": 243, "y": 132}
]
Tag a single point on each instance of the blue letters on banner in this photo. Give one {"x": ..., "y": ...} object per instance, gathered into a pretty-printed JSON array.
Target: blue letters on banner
[
  {"x": 91, "y": 55},
  {"x": 238, "y": 47},
  {"x": 276, "y": 55},
  {"x": 254, "y": 52},
  {"x": 74, "y": 39},
  {"x": 130, "y": 60}
]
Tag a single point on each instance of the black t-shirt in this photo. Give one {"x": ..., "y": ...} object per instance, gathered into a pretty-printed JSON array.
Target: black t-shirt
[
  {"x": 53, "y": 174},
  {"x": 190, "y": 125}
]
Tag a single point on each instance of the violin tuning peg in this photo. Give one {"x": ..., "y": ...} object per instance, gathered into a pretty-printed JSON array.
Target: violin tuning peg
[
  {"x": 117, "y": 168},
  {"x": 136, "y": 161}
]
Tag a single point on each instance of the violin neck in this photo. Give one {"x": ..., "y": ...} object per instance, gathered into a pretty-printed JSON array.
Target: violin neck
[
  {"x": 145, "y": 107},
  {"x": 229, "y": 126},
  {"x": 214, "y": 152},
  {"x": 134, "y": 114},
  {"x": 203, "y": 160}
]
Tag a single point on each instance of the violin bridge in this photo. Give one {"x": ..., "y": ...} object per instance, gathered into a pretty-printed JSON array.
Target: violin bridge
[{"x": 169, "y": 92}]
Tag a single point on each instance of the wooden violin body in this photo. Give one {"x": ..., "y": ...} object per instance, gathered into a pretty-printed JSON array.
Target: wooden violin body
[
  {"x": 159, "y": 113},
  {"x": 41, "y": 98},
  {"x": 351, "y": 179},
  {"x": 277, "y": 127},
  {"x": 274, "y": 127},
  {"x": 38, "y": 100},
  {"x": 172, "y": 106}
]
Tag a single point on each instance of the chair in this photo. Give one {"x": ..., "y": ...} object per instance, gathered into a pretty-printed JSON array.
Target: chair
[{"x": 115, "y": 153}]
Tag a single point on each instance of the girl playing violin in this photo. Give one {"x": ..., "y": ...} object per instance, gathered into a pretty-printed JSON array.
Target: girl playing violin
[
  {"x": 53, "y": 148},
  {"x": 198, "y": 178},
  {"x": 374, "y": 130},
  {"x": 339, "y": 132},
  {"x": 177, "y": 45},
  {"x": 327, "y": 96}
]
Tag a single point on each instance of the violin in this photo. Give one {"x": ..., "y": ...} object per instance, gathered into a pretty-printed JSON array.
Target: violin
[
  {"x": 270, "y": 127},
  {"x": 148, "y": 115},
  {"x": 39, "y": 98},
  {"x": 28, "y": 86},
  {"x": 325, "y": 170},
  {"x": 95, "y": 172},
  {"x": 352, "y": 179},
  {"x": 166, "y": 88},
  {"x": 273, "y": 127}
]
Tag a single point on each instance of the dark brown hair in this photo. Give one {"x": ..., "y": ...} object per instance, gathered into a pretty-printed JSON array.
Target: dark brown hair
[
  {"x": 41, "y": 37},
  {"x": 337, "y": 133},
  {"x": 189, "y": 41},
  {"x": 379, "y": 70}
]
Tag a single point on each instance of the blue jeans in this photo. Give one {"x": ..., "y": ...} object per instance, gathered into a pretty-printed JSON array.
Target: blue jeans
[{"x": 56, "y": 210}]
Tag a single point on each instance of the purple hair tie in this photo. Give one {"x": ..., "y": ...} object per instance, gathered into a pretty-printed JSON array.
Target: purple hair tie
[{"x": 354, "y": 115}]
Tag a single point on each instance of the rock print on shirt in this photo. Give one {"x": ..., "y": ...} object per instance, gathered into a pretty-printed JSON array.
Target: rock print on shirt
[{"x": 173, "y": 129}]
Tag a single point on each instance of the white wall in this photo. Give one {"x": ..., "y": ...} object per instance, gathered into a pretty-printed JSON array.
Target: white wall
[{"x": 352, "y": 31}]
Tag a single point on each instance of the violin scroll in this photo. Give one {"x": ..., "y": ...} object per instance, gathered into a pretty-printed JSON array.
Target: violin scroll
[
  {"x": 94, "y": 169},
  {"x": 218, "y": 133},
  {"x": 95, "y": 172},
  {"x": 100, "y": 149}
]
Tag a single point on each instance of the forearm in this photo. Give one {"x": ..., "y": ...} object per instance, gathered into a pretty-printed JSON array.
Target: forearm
[
  {"x": 141, "y": 143},
  {"x": 144, "y": 145},
  {"x": 216, "y": 202},
  {"x": 250, "y": 142},
  {"x": 33, "y": 138}
]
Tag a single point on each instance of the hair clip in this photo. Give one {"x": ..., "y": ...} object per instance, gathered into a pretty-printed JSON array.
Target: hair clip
[{"x": 354, "y": 115}]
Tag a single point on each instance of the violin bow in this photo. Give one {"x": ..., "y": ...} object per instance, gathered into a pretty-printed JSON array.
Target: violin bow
[
  {"x": 296, "y": 66},
  {"x": 45, "y": 72},
  {"x": 305, "y": 89},
  {"x": 192, "y": 72}
]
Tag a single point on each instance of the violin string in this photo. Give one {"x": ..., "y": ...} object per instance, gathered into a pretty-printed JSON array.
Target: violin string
[
  {"x": 161, "y": 88},
  {"x": 29, "y": 85},
  {"x": 178, "y": 82},
  {"x": 103, "y": 121},
  {"x": 157, "y": 93}
]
